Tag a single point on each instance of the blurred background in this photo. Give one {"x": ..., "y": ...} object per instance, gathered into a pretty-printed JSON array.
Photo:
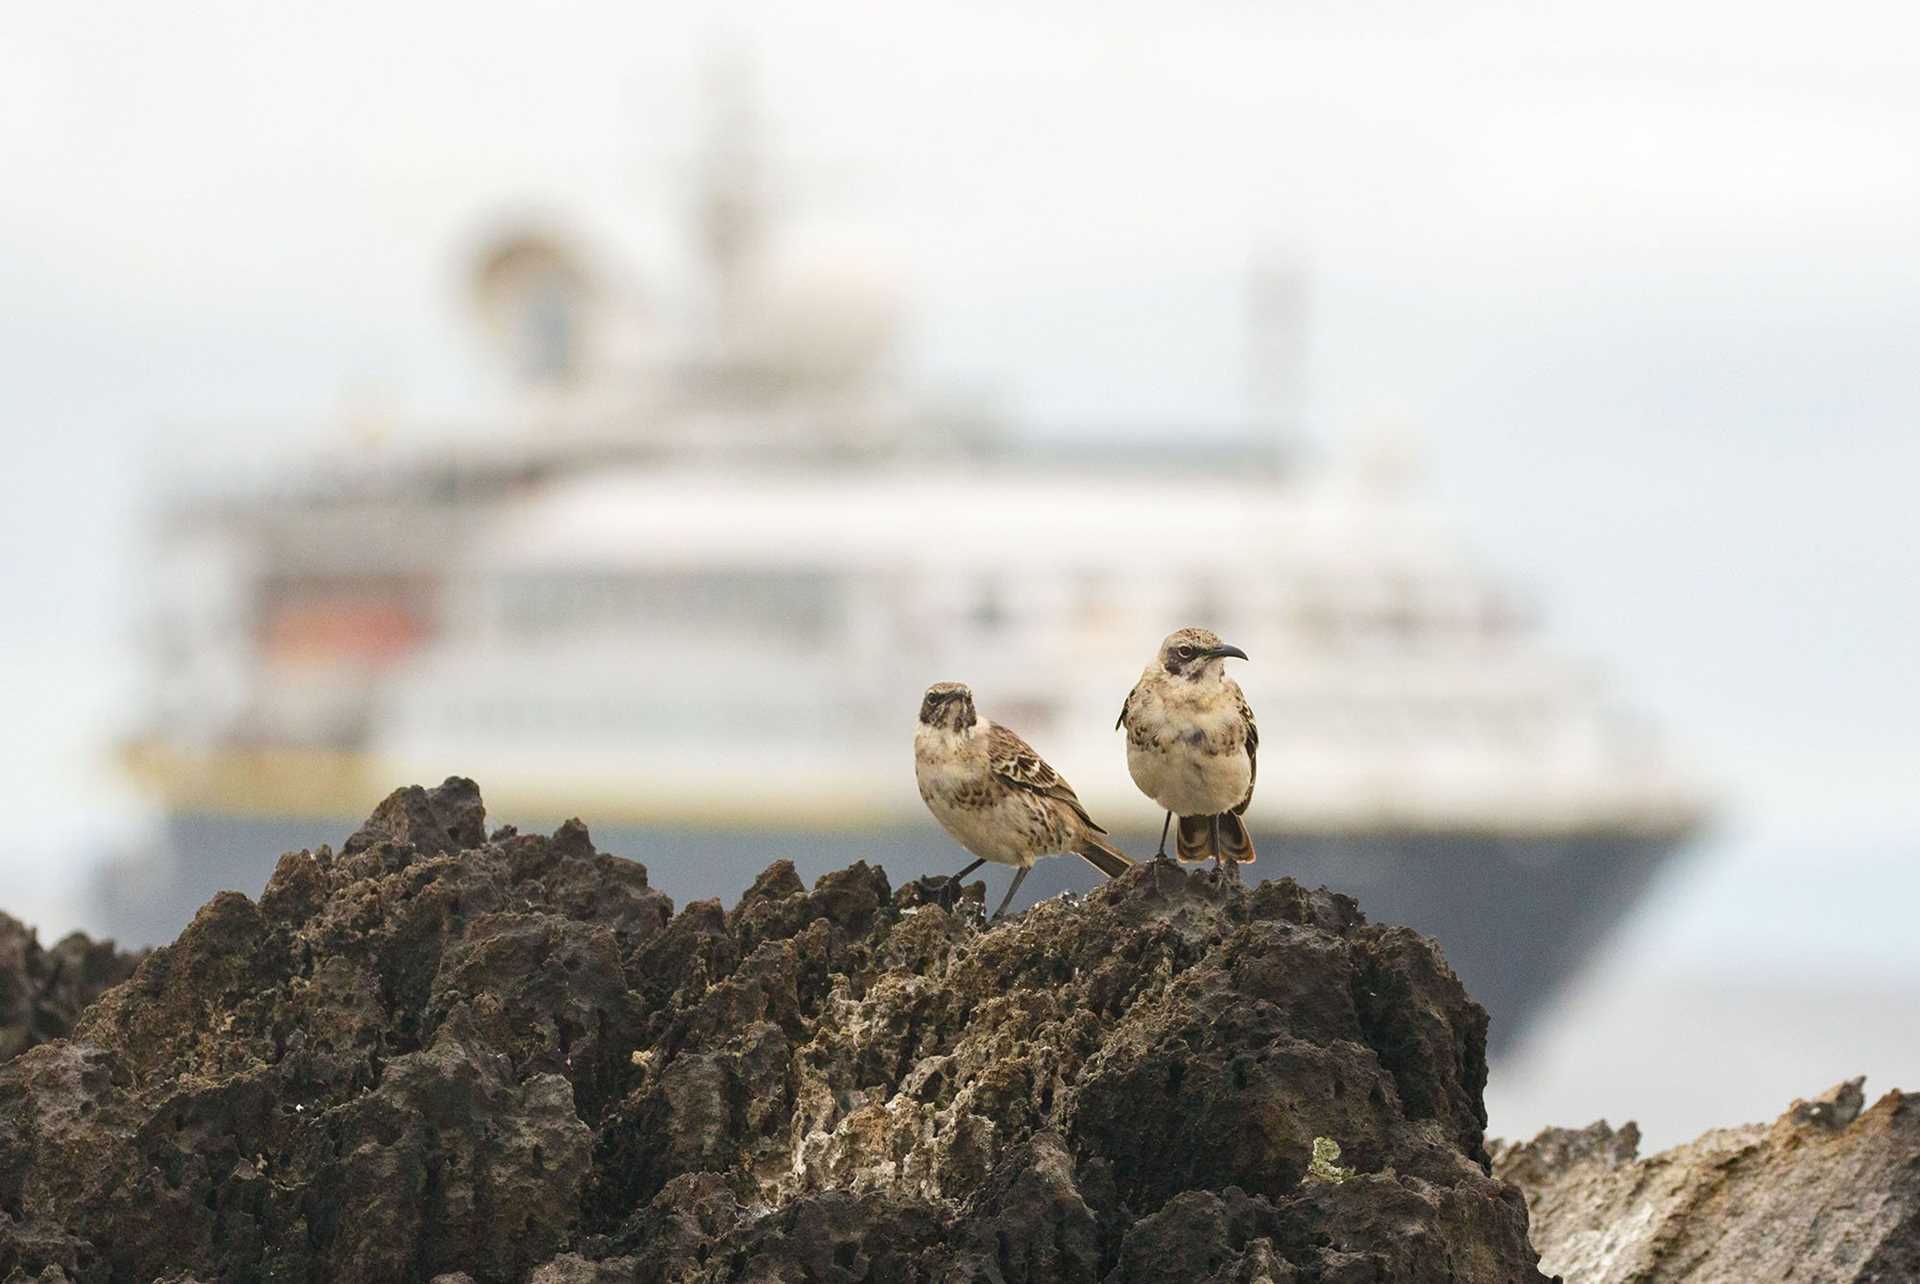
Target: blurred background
[{"x": 634, "y": 408}]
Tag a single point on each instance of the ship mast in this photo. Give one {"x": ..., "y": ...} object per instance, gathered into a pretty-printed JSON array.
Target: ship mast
[
  {"x": 1278, "y": 303},
  {"x": 731, "y": 210}
]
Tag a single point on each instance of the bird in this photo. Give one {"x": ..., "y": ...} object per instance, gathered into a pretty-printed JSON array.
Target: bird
[
  {"x": 996, "y": 796},
  {"x": 1192, "y": 747}
]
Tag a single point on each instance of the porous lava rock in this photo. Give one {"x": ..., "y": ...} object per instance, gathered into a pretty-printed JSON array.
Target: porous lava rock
[
  {"x": 438, "y": 1055},
  {"x": 43, "y": 990},
  {"x": 1825, "y": 1193}
]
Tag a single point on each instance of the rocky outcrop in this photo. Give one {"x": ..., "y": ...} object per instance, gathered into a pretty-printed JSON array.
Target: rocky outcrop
[
  {"x": 42, "y": 991},
  {"x": 442, "y": 1056},
  {"x": 1826, "y": 1193}
]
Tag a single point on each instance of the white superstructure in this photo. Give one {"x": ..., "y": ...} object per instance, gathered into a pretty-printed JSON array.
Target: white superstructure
[
  {"x": 654, "y": 635},
  {"x": 708, "y": 570}
]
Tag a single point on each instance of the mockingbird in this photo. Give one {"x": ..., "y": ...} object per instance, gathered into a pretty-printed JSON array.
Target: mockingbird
[
  {"x": 1191, "y": 746},
  {"x": 991, "y": 791}
]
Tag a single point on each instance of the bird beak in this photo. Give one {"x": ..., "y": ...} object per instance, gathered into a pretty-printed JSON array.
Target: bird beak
[{"x": 1233, "y": 651}]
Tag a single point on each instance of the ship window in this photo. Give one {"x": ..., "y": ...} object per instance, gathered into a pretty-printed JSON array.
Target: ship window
[{"x": 788, "y": 604}]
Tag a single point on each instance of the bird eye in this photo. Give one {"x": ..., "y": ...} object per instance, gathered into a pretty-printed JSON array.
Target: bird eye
[{"x": 1185, "y": 652}]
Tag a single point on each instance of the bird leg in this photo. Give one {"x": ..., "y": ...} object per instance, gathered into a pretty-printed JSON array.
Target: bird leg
[
  {"x": 1222, "y": 867},
  {"x": 1011, "y": 889},
  {"x": 952, "y": 892},
  {"x": 1164, "y": 827}
]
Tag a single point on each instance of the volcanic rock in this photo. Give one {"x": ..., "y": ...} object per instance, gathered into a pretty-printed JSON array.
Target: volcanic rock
[
  {"x": 43, "y": 990},
  {"x": 1825, "y": 1193},
  {"x": 442, "y": 1056}
]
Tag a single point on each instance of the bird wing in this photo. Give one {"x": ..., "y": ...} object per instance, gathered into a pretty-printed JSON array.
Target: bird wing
[
  {"x": 1014, "y": 761},
  {"x": 1253, "y": 743},
  {"x": 1126, "y": 707}
]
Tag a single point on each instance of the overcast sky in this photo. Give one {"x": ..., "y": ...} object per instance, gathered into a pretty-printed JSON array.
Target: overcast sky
[{"x": 1642, "y": 279}]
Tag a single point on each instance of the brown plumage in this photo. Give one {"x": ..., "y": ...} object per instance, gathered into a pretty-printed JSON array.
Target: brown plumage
[
  {"x": 1014, "y": 761},
  {"x": 1193, "y": 746},
  {"x": 996, "y": 796}
]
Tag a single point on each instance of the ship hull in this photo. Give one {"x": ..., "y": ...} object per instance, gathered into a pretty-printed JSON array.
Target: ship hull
[{"x": 1516, "y": 916}]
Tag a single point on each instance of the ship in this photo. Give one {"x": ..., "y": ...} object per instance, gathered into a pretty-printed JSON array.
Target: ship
[{"x": 691, "y": 579}]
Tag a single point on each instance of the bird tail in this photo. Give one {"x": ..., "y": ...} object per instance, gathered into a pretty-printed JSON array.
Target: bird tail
[
  {"x": 1103, "y": 856},
  {"x": 1198, "y": 841}
]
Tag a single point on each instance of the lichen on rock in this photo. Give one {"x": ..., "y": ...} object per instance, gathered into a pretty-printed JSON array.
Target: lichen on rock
[
  {"x": 439, "y": 1055},
  {"x": 1325, "y": 1164}
]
